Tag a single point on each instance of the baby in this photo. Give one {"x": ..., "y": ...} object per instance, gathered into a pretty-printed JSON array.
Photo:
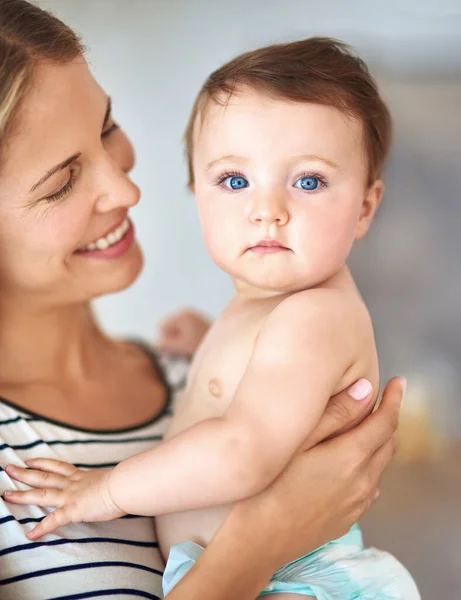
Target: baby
[{"x": 285, "y": 148}]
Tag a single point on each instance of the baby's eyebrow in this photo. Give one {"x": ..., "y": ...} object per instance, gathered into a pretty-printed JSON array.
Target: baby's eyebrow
[
  {"x": 305, "y": 157},
  {"x": 213, "y": 163},
  {"x": 316, "y": 158}
]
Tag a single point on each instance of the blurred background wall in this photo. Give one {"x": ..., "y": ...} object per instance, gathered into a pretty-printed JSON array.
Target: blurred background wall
[{"x": 152, "y": 56}]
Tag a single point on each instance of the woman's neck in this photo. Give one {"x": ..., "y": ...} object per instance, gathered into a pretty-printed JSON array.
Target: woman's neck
[{"x": 43, "y": 345}]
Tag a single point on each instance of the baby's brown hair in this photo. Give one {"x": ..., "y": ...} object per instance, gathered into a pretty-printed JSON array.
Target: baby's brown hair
[{"x": 316, "y": 70}]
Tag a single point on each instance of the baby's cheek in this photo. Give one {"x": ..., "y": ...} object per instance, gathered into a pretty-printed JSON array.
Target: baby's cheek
[
  {"x": 328, "y": 245},
  {"x": 340, "y": 248},
  {"x": 214, "y": 243}
]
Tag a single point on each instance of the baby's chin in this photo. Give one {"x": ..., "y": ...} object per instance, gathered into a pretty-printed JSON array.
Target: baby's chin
[{"x": 275, "y": 283}]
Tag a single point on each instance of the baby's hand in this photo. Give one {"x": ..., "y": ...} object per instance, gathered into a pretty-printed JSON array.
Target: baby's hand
[
  {"x": 80, "y": 496},
  {"x": 182, "y": 332}
]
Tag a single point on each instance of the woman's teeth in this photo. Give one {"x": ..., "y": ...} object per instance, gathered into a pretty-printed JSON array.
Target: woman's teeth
[{"x": 110, "y": 239}]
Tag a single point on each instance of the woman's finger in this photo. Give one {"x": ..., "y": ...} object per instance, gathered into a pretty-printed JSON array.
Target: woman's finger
[
  {"x": 38, "y": 479},
  {"x": 39, "y": 497},
  {"x": 380, "y": 427},
  {"x": 53, "y": 466},
  {"x": 380, "y": 461},
  {"x": 343, "y": 411},
  {"x": 366, "y": 480},
  {"x": 58, "y": 518},
  {"x": 369, "y": 503}
]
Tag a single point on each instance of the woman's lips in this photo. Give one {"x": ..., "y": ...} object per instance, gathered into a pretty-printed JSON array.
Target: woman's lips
[{"x": 109, "y": 246}]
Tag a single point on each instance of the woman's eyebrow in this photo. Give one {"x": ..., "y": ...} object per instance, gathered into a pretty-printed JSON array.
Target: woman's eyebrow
[
  {"x": 68, "y": 161},
  {"x": 108, "y": 111},
  {"x": 53, "y": 170}
]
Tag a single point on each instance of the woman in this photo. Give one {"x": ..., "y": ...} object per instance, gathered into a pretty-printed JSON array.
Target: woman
[{"x": 70, "y": 392}]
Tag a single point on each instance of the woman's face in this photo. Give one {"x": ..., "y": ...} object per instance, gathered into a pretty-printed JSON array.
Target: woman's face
[{"x": 65, "y": 194}]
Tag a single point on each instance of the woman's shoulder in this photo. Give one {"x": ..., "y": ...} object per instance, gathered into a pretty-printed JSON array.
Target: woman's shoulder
[
  {"x": 26, "y": 434},
  {"x": 171, "y": 369},
  {"x": 86, "y": 557}
]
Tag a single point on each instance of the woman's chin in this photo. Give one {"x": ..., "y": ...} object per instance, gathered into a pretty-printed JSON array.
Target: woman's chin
[{"x": 122, "y": 274}]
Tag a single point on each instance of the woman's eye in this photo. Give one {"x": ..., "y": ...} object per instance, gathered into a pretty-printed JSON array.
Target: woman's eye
[
  {"x": 111, "y": 129},
  {"x": 235, "y": 182},
  {"x": 308, "y": 183},
  {"x": 63, "y": 191}
]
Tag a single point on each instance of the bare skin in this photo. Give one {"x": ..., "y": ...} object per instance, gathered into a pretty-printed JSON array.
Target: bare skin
[
  {"x": 347, "y": 492},
  {"x": 47, "y": 283},
  {"x": 296, "y": 333},
  {"x": 350, "y": 487}
]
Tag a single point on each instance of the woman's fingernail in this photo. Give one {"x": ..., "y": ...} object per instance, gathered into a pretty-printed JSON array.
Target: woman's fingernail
[
  {"x": 360, "y": 390},
  {"x": 404, "y": 383},
  {"x": 376, "y": 494},
  {"x": 8, "y": 493}
]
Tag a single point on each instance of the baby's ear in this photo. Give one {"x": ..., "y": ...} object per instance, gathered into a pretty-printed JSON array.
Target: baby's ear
[{"x": 371, "y": 201}]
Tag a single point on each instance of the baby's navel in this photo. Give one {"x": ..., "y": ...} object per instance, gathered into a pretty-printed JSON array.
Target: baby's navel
[{"x": 215, "y": 388}]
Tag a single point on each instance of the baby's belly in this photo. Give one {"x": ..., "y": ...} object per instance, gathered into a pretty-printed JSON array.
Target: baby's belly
[{"x": 197, "y": 526}]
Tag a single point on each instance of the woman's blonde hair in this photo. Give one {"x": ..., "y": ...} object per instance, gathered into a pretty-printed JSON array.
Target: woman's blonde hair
[{"x": 28, "y": 35}]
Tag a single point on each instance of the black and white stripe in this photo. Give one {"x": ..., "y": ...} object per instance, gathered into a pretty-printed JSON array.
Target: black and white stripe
[{"x": 117, "y": 559}]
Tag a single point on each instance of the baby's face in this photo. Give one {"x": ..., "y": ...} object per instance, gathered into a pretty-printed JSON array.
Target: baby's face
[{"x": 281, "y": 190}]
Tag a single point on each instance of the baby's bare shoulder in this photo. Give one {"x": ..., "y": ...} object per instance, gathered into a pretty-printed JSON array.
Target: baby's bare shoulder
[
  {"x": 335, "y": 305},
  {"x": 324, "y": 315}
]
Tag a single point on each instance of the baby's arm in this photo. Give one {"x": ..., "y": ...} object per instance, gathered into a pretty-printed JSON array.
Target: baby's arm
[
  {"x": 300, "y": 356},
  {"x": 303, "y": 350}
]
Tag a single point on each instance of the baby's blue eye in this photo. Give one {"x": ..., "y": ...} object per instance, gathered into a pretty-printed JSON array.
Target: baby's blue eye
[
  {"x": 235, "y": 182},
  {"x": 308, "y": 183}
]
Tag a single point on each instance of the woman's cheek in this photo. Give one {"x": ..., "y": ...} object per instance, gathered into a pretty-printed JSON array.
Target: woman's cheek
[{"x": 67, "y": 227}]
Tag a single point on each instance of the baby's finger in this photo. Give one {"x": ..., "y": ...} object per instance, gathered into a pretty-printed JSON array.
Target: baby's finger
[
  {"x": 58, "y": 518},
  {"x": 53, "y": 466},
  {"x": 169, "y": 330},
  {"x": 169, "y": 346},
  {"x": 39, "y": 497},
  {"x": 171, "y": 323},
  {"x": 38, "y": 479}
]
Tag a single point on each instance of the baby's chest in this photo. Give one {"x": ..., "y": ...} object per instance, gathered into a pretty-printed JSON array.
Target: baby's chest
[
  {"x": 215, "y": 375},
  {"x": 218, "y": 377},
  {"x": 222, "y": 364}
]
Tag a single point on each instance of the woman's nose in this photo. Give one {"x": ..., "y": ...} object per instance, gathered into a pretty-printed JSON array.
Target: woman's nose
[{"x": 117, "y": 190}]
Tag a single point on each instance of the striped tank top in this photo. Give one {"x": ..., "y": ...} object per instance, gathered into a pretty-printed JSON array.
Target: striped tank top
[{"x": 117, "y": 559}]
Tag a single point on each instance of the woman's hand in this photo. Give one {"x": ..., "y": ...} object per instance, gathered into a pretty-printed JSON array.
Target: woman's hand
[
  {"x": 182, "y": 332},
  {"x": 331, "y": 485},
  {"x": 80, "y": 496},
  {"x": 316, "y": 499}
]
